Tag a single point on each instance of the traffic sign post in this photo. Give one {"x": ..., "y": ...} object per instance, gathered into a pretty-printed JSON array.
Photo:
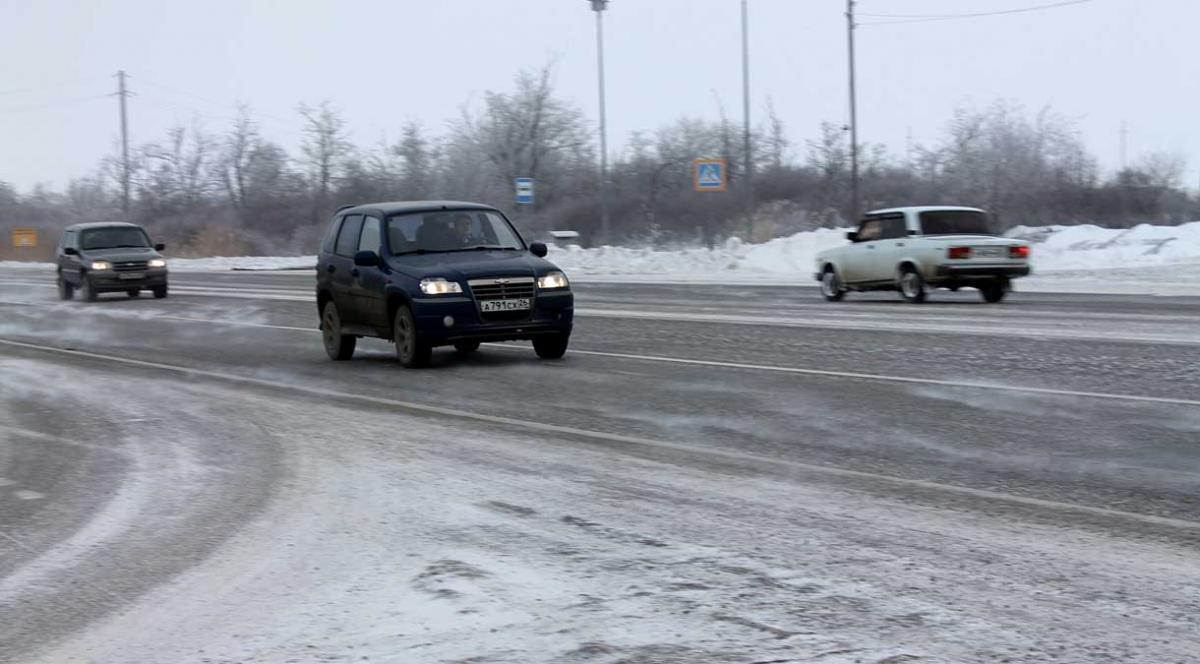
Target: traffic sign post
[
  {"x": 710, "y": 175},
  {"x": 524, "y": 191},
  {"x": 24, "y": 238}
]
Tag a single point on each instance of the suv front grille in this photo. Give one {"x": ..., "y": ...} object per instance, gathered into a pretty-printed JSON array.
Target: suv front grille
[
  {"x": 503, "y": 288},
  {"x": 130, "y": 266}
]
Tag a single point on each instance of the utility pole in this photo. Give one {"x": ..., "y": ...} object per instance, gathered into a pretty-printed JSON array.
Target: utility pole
[
  {"x": 599, "y": 6},
  {"x": 854, "y": 200},
  {"x": 746, "y": 150},
  {"x": 122, "y": 93},
  {"x": 1124, "y": 145}
]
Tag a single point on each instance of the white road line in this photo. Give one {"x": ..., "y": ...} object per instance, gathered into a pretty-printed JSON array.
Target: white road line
[
  {"x": 774, "y": 368},
  {"x": 541, "y": 427}
]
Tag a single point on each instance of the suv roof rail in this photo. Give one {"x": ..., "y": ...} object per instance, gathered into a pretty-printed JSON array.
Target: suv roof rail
[{"x": 345, "y": 207}]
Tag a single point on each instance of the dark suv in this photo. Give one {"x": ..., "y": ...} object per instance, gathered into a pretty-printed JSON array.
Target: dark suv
[
  {"x": 437, "y": 273},
  {"x": 109, "y": 257}
]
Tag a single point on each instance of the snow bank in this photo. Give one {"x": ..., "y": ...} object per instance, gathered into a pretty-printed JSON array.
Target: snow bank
[{"x": 1076, "y": 258}]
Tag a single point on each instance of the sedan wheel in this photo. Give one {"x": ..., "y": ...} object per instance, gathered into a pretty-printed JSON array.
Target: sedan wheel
[
  {"x": 912, "y": 286},
  {"x": 831, "y": 285}
]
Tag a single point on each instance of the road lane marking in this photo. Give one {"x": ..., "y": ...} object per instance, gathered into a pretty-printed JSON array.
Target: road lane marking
[
  {"x": 833, "y": 319},
  {"x": 546, "y": 428},
  {"x": 27, "y": 494},
  {"x": 829, "y": 373}
]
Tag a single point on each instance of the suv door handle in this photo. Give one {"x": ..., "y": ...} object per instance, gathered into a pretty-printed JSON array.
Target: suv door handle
[
  {"x": 354, "y": 273},
  {"x": 331, "y": 269}
]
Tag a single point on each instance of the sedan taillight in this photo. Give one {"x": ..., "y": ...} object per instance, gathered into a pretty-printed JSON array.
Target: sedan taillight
[
  {"x": 1019, "y": 251},
  {"x": 959, "y": 252}
]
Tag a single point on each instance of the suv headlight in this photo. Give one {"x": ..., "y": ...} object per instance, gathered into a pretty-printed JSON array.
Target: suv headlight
[
  {"x": 101, "y": 265},
  {"x": 440, "y": 286},
  {"x": 157, "y": 262},
  {"x": 553, "y": 280}
]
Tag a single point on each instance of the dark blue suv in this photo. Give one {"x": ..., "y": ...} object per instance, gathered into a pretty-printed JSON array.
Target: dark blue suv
[{"x": 437, "y": 273}]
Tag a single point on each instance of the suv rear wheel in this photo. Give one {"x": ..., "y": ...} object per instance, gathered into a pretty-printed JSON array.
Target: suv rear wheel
[
  {"x": 410, "y": 349},
  {"x": 65, "y": 290},
  {"x": 337, "y": 345}
]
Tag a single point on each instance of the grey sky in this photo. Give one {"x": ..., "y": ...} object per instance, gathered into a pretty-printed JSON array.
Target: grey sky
[{"x": 383, "y": 62}]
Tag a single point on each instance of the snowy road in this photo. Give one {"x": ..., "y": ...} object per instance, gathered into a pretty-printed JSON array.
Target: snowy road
[{"x": 714, "y": 474}]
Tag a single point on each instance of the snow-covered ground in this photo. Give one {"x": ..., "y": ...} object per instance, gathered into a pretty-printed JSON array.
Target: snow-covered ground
[{"x": 1145, "y": 259}]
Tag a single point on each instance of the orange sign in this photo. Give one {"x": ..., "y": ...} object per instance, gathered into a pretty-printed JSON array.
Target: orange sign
[{"x": 25, "y": 238}]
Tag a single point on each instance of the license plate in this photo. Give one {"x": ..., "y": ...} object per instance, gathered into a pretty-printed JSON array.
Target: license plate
[
  {"x": 131, "y": 275},
  {"x": 990, "y": 252},
  {"x": 505, "y": 305}
]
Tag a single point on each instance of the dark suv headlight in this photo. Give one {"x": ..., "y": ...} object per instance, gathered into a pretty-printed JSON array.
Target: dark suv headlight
[{"x": 552, "y": 280}]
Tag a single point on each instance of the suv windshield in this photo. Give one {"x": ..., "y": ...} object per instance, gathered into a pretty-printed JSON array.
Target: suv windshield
[
  {"x": 955, "y": 222},
  {"x": 113, "y": 237},
  {"x": 453, "y": 230}
]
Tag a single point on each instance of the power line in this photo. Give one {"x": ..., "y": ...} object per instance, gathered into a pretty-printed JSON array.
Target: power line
[
  {"x": 69, "y": 101},
  {"x": 927, "y": 18}
]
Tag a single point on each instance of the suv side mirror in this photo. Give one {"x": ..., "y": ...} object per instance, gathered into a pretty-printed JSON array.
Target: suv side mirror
[
  {"x": 538, "y": 249},
  {"x": 70, "y": 251},
  {"x": 160, "y": 246},
  {"x": 852, "y": 236},
  {"x": 366, "y": 259}
]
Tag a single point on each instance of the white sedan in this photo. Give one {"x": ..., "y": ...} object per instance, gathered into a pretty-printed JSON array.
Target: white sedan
[{"x": 915, "y": 249}]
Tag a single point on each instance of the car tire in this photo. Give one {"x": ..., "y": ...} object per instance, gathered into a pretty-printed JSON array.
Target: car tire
[
  {"x": 994, "y": 292},
  {"x": 551, "y": 346},
  {"x": 411, "y": 350},
  {"x": 89, "y": 290},
  {"x": 160, "y": 292},
  {"x": 338, "y": 346},
  {"x": 466, "y": 347},
  {"x": 65, "y": 290},
  {"x": 831, "y": 285},
  {"x": 133, "y": 292},
  {"x": 912, "y": 285}
]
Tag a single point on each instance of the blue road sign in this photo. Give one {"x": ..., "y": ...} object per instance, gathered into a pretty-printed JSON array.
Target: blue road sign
[
  {"x": 524, "y": 191},
  {"x": 709, "y": 174}
]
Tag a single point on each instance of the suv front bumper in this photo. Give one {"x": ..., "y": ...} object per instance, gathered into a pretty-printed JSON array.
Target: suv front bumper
[
  {"x": 107, "y": 281},
  {"x": 445, "y": 320}
]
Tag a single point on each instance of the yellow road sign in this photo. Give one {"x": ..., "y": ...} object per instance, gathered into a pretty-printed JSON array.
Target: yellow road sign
[{"x": 26, "y": 238}]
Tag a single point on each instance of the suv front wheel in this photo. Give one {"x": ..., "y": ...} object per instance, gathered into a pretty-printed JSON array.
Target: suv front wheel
[
  {"x": 551, "y": 346},
  {"x": 410, "y": 349},
  {"x": 337, "y": 345},
  {"x": 65, "y": 290}
]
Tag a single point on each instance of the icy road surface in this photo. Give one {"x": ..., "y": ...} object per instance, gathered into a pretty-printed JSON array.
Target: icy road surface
[{"x": 714, "y": 474}]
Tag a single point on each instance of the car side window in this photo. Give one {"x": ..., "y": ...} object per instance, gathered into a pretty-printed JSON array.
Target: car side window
[
  {"x": 347, "y": 242},
  {"x": 369, "y": 240},
  {"x": 892, "y": 228},
  {"x": 330, "y": 239},
  {"x": 870, "y": 230}
]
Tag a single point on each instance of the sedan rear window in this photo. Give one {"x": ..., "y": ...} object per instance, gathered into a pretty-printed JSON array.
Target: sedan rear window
[{"x": 955, "y": 222}]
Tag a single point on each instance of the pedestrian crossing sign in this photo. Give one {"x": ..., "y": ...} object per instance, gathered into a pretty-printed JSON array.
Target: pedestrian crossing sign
[{"x": 709, "y": 175}]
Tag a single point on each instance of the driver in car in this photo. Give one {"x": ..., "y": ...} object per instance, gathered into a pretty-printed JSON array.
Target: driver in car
[{"x": 462, "y": 231}]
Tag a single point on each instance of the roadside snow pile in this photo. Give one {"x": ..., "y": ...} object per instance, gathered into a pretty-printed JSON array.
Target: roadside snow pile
[
  {"x": 1090, "y": 247},
  {"x": 792, "y": 255}
]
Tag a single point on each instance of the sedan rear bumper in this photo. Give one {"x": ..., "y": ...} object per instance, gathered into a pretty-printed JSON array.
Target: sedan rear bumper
[{"x": 981, "y": 271}]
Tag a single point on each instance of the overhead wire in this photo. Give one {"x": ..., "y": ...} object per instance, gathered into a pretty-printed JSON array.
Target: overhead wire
[{"x": 929, "y": 18}]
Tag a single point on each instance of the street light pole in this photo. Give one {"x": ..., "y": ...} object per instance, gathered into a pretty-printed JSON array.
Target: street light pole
[
  {"x": 854, "y": 201},
  {"x": 599, "y": 6},
  {"x": 746, "y": 148}
]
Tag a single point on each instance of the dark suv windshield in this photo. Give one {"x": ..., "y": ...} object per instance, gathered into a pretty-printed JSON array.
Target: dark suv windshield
[
  {"x": 453, "y": 230},
  {"x": 955, "y": 222},
  {"x": 110, "y": 238}
]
